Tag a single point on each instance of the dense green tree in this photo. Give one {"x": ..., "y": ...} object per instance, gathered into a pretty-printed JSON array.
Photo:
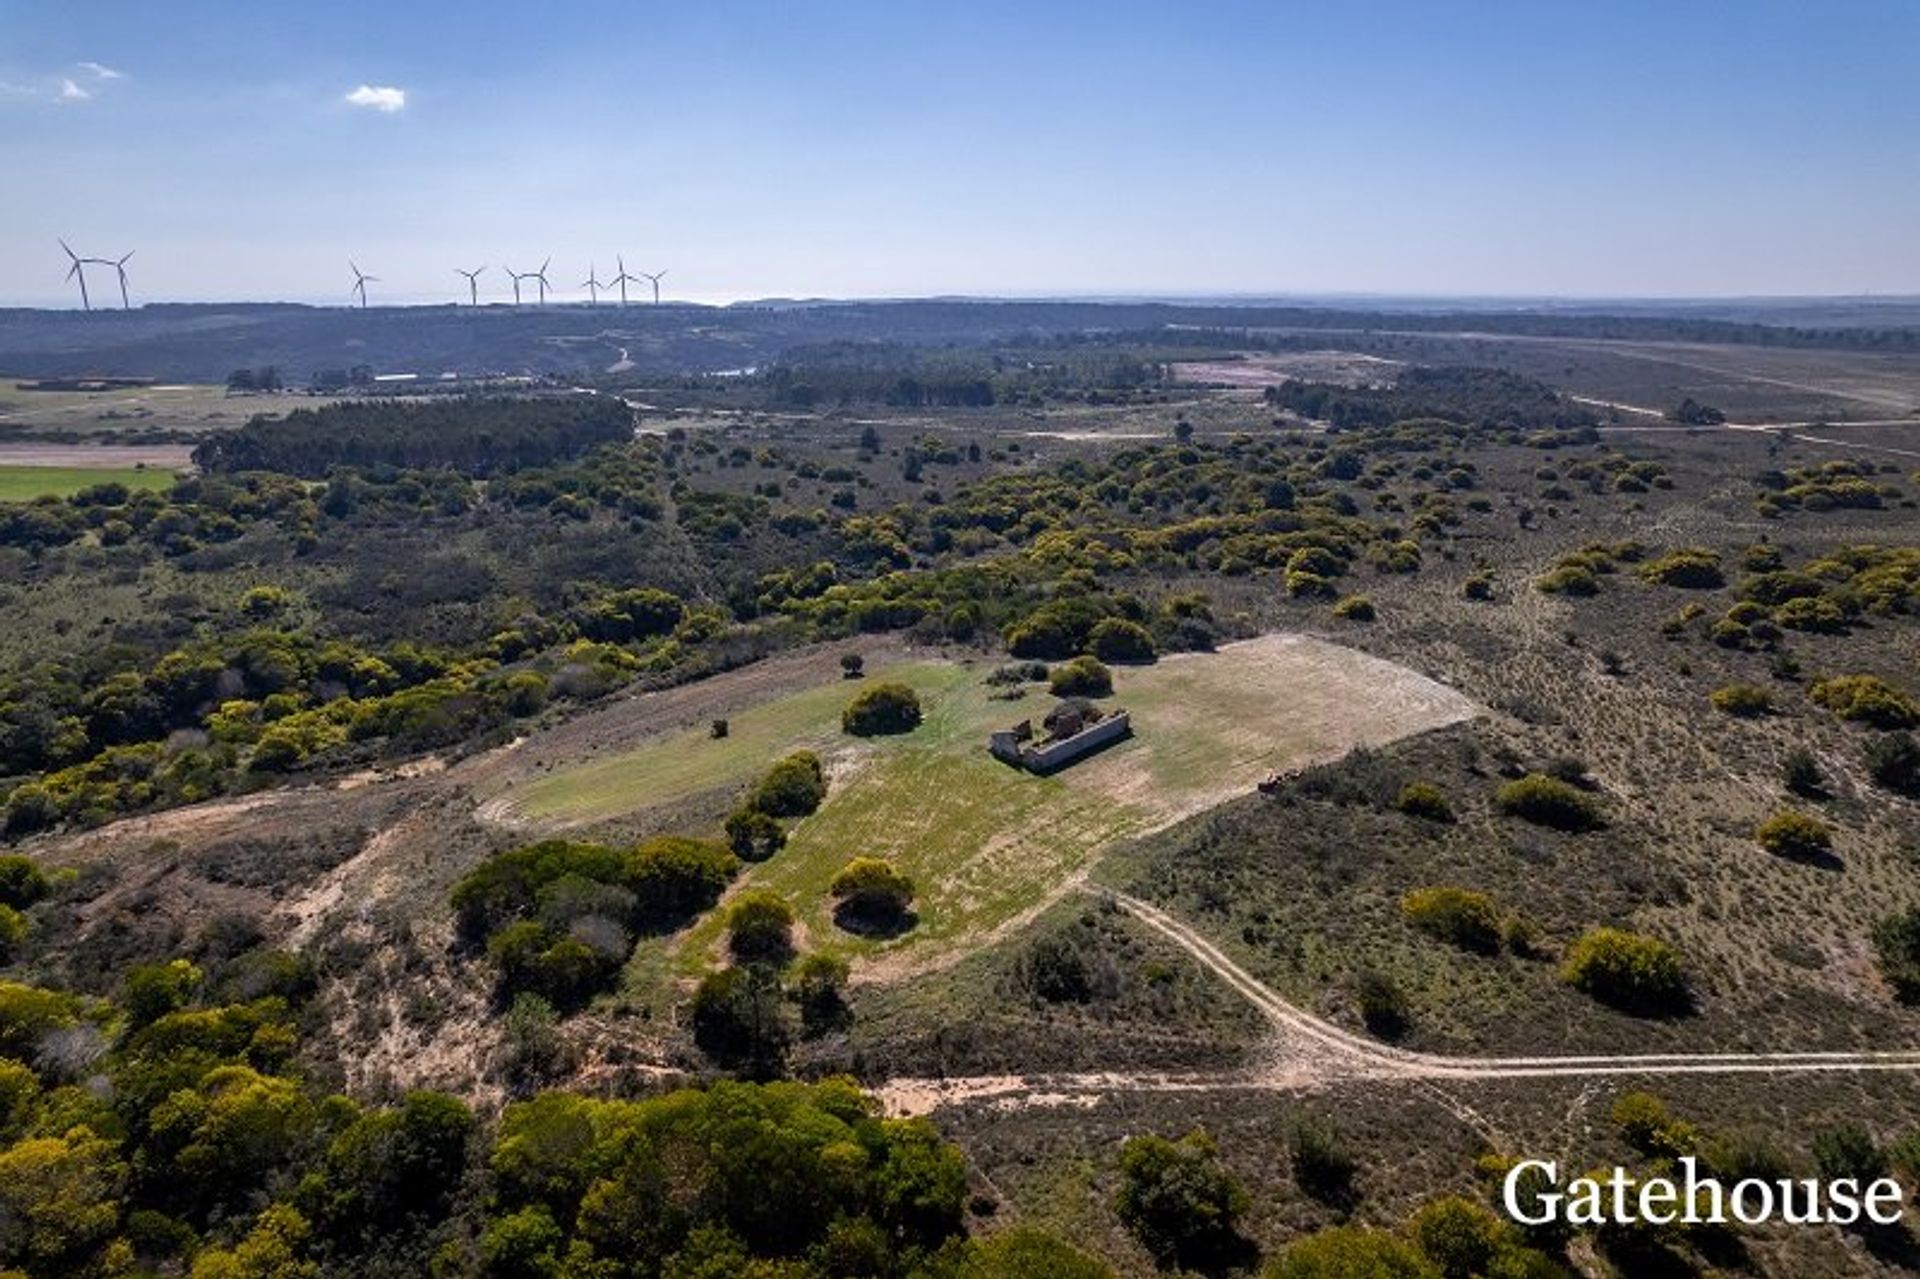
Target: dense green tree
[{"x": 1180, "y": 1202}]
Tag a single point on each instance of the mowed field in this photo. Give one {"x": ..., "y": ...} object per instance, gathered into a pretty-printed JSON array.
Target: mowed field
[
  {"x": 24, "y": 483},
  {"x": 194, "y": 407},
  {"x": 989, "y": 846}
]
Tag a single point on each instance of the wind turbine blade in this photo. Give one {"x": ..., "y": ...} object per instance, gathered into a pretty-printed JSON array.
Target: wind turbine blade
[{"x": 70, "y": 252}]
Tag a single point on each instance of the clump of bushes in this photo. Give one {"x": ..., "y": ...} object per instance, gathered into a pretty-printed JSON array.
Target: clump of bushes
[
  {"x": 1354, "y": 608},
  {"x": 1866, "y": 699},
  {"x": 1745, "y": 701},
  {"x": 1549, "y": 801},
  {"x": 559, "y": 918},
  {"x": 1690, "y": 568},
  {"x": 882, "y": 709},
  {"x": 1424, "y": 800},
  {"x": 1081, "y": 677},
  {"x": 1794, "y": 835},
  {"x": 1458, "y": 916},
  {"x": 1632, "y": 972}
]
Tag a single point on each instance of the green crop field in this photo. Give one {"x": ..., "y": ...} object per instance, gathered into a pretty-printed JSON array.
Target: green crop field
[
  {"x": 987, "y": 844},
  {"x": 24, "y": 483}
]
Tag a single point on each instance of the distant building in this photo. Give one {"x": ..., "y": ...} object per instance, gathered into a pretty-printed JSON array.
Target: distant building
[{"x": 1074, "y": 730}]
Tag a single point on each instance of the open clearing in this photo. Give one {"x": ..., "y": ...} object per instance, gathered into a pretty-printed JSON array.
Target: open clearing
[
  {"x": 24, "y": 483},
  {"x": 989, "y": 846},
  {"x": 184, "y": 407}
]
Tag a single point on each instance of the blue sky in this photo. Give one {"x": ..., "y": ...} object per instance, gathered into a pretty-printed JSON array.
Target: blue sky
[{"x": 1545, "y": 147}]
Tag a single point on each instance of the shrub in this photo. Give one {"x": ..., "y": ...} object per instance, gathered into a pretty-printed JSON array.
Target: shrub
[
  {"x": 1548, "y": 801},
  {"x": 884, "y": 708},
  {"x": 1867, "y": 699},
  {"x": 1849, "y": 1151},
  {"x": 1322, "y": 1166},
  {"x": 737, "y": 1020},
  {"x": 1180, "y": 1202},
  {"x": 1794, "y": 835},
  {"x": 760, "y": 928},
  {"x": 1383, "y": 1007},
  {"x": 1354, "y": 608},
  {"x": 1478, "y": 587},
  {"x": 1459, "y": 916},
  {"x": 22, "y": 882},
  {"x": 752, "y": 835},
  {"x": 1118, "y": 640},
  {"x": 1801, "y": 773},
  {"x": 1746, "y": 701},
  {"x": 871, "y": 893},
  {"x": 1081, "y": 677},
  {"x": 1691, "y": 569},
  {"x": 1632, "y": 972},
  {"x": 1461, "y": 1237},
  {"x": 1570, "y": 579},
  {"x": 819, "y": 988},
  {"x": 852, "y": 665},
  {"x": 1309, "y": 586},
  {"x": 793, "y": 787},
  {"x": 675, "y": 878},
  {"x": 1896, "y": 939},
  {"x": 1893, "y": 761},
  {"x": 1424, "y": 800}
]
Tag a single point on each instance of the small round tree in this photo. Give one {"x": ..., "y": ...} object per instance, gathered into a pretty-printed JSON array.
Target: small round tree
[
  {"x": 871, "y": 895},
  {"x": 1117, "y": 640},
  {"x": 882, "y": 709},
  {"x": 760, "y": 929},
  {"x": 1081, "y": 677}
]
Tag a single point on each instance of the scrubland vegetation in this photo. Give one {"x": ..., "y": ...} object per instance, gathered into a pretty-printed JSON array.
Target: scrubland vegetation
[{"x": 571, "y": 848}]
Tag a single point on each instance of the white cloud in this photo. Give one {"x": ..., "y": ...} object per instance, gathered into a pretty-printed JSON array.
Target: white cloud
[
  {"x": 99, "y": 72},
  {"x": 71, "y": 92},
  {"x": 379, "y": 97}
]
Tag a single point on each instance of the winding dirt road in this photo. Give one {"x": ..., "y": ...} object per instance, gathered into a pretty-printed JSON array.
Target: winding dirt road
[{"x": 1310, "y": 1054}]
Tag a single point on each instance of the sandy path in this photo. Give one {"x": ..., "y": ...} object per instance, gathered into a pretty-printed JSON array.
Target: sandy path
[{"x": 1310, "y": 1054}]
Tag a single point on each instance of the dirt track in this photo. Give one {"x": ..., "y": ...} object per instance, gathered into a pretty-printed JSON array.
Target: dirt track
[{"x": 1309, "y": 1054}]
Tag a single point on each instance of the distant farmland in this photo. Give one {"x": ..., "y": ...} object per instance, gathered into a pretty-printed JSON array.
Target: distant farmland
[{"x": 24, "y": 483}]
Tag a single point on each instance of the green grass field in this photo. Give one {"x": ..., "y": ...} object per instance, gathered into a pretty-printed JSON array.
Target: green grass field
[
  {"x": 988, "y": 845},
  {"x": 24, "y": 483}
]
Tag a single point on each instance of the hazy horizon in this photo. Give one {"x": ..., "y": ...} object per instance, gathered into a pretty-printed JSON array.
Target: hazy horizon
[{"x": 1383, "y": 150}]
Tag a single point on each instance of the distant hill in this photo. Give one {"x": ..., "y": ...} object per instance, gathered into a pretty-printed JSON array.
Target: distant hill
[{"x": 203, "y": 342}]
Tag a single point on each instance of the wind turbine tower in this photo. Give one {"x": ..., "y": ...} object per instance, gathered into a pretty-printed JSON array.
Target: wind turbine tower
[
  {"x": 592, "y": 286},
  {"x": 655, "y": 278},
  {"x": 78, "y": 271},
  {"x": 360, "y": 282},
  {"x": 541, "y": 276},
  {"x": 473, "y": 287},
  {"x": 623, "y": 279},
  {"x": 120, "y": 269}
]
